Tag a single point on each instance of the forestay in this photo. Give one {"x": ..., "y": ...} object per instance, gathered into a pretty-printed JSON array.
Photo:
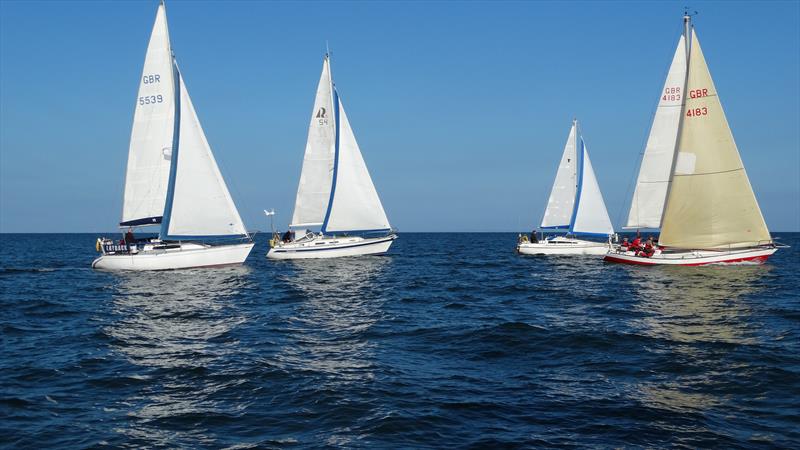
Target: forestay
[
  {"x": 590, "y": 215},
  {"x": 314, "y": 189},
  {"x": 354, "y": 204},
  {"x": 149, "y": 154},
  {"x": 198, "y": 203},
  {"x": 710, "y": 202},
  {"x": 562, "y": 195},
  {"x": 654, "y": 173}
]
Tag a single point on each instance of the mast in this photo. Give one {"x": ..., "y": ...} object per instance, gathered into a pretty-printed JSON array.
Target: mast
[
  {"x": 578, "y": 175},
  {"x": 173, "y": 168},
  {"x": 687, "y": 38}
]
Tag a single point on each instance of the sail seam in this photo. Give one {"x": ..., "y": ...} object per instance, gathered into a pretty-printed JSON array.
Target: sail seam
[{"x": 708, "y": 173}]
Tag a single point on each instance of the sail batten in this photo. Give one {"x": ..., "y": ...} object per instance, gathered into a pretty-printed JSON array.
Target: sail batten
[{"x": 710, "y": 203}]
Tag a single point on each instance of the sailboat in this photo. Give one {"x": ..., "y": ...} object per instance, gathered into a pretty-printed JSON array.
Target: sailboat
[
  {"x": 692, "y": 183},
  {"x": 575, "y": 206},
  {"x": 172, "y": 179},
  {"x": 336, "y": 194}
]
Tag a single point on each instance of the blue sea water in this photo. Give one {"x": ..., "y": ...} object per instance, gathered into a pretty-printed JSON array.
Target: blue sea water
[{"x": 449, "y": 340}]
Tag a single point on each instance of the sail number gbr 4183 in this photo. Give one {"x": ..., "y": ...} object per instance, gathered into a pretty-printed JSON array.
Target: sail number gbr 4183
[{"x": 702, "y": 111}]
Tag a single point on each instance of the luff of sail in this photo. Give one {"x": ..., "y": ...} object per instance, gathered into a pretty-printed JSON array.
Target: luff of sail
[
  {"x": 354, "y": 204},
  {"x": 558, "y": 213},
  {"x": 652, "y": 183},
  {"x": 314, "y": 188},
  {"x": 590, "y": 215},
  {"x": 199, "y": 203},
  {"x": 711, "y": 203},
  {"x": 147, "y": 172}
]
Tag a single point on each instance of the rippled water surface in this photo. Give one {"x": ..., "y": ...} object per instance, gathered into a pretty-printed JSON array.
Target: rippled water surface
[{"x": 450, "y": 340}]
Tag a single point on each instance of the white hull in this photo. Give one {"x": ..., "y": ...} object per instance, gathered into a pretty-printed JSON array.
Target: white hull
[
  {"x": 187, "y": 256},
  {"x": 694, "y": 257},
  {"x": 326, "y": 247},
  {"x": 563, "y": 246}
]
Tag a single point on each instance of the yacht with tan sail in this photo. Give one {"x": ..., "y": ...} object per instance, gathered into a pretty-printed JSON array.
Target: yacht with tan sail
[{"x": 692, "y": 184}]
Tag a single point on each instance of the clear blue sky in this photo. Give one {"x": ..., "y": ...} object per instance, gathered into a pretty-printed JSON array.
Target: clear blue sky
[{"x": 461, "y": 109}]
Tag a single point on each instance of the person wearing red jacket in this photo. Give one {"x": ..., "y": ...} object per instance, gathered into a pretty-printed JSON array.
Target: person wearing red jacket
[
  {"x": 649, "y": 248},
  {"x": 636, "y": 245}
]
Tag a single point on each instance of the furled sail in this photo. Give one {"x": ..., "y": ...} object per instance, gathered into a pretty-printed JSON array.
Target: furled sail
[
  {"x": 654, "y": 173},
  {"x": 562, "y": 195},
  {"x": 590, "y": 215},
  {"x": 148, "y": 168},
  {"x": 710, "y": 203},
  {"x": 313, "y": 192},
  {"x": 198, "y": 202},
  {"x": 354, "y": 204}
]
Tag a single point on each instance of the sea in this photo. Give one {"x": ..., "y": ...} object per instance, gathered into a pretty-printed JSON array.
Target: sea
[{"x": 450, "y": 340}]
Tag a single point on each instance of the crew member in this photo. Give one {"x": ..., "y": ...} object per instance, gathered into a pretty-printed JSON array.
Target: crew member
[
  {"x": 649, "y": 248},
  {"x": 636, "y": 245},
  {"x": 129, "y": 238}
]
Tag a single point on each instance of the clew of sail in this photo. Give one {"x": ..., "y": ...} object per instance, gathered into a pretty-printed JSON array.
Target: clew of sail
[
  {"x": 710, "y": 202},
  {"x": 147, "y": 172}
]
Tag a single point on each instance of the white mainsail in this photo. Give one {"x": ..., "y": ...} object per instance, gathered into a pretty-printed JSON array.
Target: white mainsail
[
  {"x": 314, "y": 189},
  {"x": 354, "y": 204},
  {"x": 147, "y": 174},
  {"x": 198, "y": 201},
  {"x": 654, "y": 173},
  {"x": 562, "y": 195},
  {"x": 710, "y": 203},
  {"x": 590, "y": 215}
]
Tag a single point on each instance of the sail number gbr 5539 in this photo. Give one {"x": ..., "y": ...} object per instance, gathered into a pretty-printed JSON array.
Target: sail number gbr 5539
[{"x": 151, "y": 99}]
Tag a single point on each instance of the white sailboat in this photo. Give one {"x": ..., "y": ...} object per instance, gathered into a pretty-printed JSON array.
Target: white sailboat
[
  {"x": 575, "y": 205},
  {"x": 692, "y": 183},
  {"x": 172, "y": 179},
  {"x": 335, "y": 194}
]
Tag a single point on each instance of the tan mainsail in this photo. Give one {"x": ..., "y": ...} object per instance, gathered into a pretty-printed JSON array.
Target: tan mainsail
[{"x": 710, "y": 203}]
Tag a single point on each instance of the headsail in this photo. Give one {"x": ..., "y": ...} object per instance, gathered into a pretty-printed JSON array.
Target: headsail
[
  {"x": 354, "y": 204},
  {"x": 710, "y": 202},
  {"x": 198, "y": 202},
  {"x": 562, "y": 196},
  {"x": 314, "y": 190},
  {"x": 654, "y": 173},
  {"x": 590, "y": 215},
  {"x": 147, "y": 173}
]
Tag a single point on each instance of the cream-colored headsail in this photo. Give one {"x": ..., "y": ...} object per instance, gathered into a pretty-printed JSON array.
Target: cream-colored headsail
[{"x": 710, "y": 202}]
